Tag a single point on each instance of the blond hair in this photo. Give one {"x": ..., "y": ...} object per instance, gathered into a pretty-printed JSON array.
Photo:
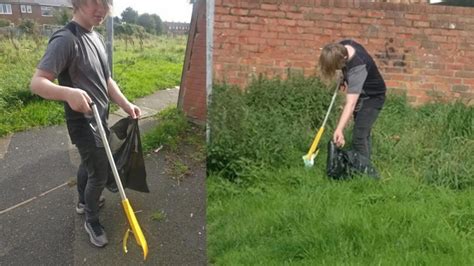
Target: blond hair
[
  {"x": 76, "y": 4},
  {"x": 333, "y": 57}
]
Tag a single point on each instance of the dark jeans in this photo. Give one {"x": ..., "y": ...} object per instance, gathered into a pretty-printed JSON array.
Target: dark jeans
[
  {"x": 91, "y": 178},
  {"x": 364, "y": 119}
]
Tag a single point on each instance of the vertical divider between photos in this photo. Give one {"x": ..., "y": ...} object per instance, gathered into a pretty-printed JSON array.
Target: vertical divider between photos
[{"x": 209, "y": 50}]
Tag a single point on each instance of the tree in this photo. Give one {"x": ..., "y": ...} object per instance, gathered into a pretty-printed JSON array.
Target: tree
[
  {"x": 62, "y": 15},
  {"x": 117, "y": 20},
  {"x": 158, "y": 24},
  {"x": 129, "y": 16},
  {"x": 147, "y": 22}
]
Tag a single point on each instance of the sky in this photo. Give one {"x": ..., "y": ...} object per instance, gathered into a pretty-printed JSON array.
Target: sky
[{"x": 168, "y": 10}]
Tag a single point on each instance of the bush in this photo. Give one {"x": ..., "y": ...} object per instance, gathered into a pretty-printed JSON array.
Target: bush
[
  {"x": 270, "y": 124},
  {"x": 28, "y": 26},
  {"x": 4, "y": 22}
]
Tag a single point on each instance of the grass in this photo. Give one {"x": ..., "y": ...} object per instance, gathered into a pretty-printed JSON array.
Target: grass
[
  {"x": 138, "y": 72},
  {"x": 169, "y": 132},
  {"x": 310, "y": 220},
  {"x": 273, "y": 211},
  {"x": 158, "y": 216},
  {"x": 177, "y": 169}
]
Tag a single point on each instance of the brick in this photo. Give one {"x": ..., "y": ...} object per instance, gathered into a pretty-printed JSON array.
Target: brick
[
  {"x": 421, "y": 24},
  {"x": 464, "y": 74},
  {"x": 469, "y": 82},
  {"x": 240, "y": 26},
  {"x": 375, "y": 13},
  {"x": 286, "y": 22},
  {"x": 305, "y": 23},
  {"x": 268, "y": 35},
  {"x": 460, "y": 88},
  {"x": 290, "y": 8},
  {"x": 270, "y": 14},
  {"x": 294, "y": 16},
  {"x": 239, "y": 11},
  {"x": 350, "y": 19},
  {"x": 226, "y": 18},
  {"x": 249, "y": 47},
  {"x": 295, "y": 30},
  {"x": 222, "y": 10},
  {"x": 220, "y": 25},
  {"x": 249, "y": 20},
  {"x": 256, "y": 40}
]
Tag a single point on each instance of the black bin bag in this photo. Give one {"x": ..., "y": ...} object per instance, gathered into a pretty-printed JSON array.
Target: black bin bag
[
  {"x": 126, "y": 147},
  {"x": 343, "y": 164}
]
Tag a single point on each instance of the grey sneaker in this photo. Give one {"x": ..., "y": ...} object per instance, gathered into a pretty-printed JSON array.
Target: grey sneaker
[
  {"x": 80, "y": 206},
  {"x": 96, "y": 233}
]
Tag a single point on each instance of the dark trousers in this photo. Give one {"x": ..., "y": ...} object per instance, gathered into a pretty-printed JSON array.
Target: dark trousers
[
  {"x": 364, "y": 119},
  {"x": 91, "y": 178}
]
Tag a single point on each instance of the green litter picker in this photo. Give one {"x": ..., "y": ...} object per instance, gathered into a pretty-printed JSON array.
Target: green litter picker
[{"x": 308, "y": 158}]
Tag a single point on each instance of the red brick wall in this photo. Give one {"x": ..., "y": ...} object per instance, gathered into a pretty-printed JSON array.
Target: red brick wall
[
  {"x": 425, "y": 50},
  {"x": 192, "y": 96},
  {"x": 16, "y": 16}
]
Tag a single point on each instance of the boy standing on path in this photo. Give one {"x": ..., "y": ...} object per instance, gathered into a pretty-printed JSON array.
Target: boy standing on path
[
  {"x": 365, "y": 88},
  {"x": 76, "y": 57}
]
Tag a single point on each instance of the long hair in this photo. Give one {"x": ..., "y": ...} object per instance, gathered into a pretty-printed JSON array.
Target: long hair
[
  {"x": 76, "y": 4},
  {"x": 333, "y": 57}
]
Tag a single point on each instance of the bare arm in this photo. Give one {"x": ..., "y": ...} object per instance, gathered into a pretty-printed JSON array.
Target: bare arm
[
  {"x": 42, "y": 84},
  {"x": 351, "y": 100},
  {"x": 117, "y": 97}
]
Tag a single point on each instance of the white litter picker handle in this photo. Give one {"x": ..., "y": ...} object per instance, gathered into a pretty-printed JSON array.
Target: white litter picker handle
[
  {"x": 108, "y": 151},
  {"x": 332, "y": 103}
]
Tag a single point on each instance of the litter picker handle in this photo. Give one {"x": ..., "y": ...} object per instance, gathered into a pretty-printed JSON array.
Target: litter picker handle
[
  {"x": 318, "y": 136},
  {"x": 107, "y": 150},
  {"x": 332, "y": 102}
]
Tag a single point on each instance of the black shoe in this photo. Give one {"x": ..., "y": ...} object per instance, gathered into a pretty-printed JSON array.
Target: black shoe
[{"x": 96, "y": 233}]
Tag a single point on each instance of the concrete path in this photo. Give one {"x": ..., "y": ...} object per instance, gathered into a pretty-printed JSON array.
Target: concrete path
[{"x": 38, "y": 223}]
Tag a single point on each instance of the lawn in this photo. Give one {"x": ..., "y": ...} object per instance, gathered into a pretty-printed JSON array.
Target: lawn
[{"x": 138, "y": 69}]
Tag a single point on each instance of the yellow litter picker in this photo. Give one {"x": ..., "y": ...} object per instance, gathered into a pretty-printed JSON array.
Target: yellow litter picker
[
  {"x": 132, "y": 219},
  {"x": 308, "y": 158}
]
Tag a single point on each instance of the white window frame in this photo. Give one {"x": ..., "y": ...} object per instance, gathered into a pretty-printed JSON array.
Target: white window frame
[
  {"x": 23, "y": 8},
  {"x": 48, "y": 9},
  {"x": 29, "y": 9},
  {"x": 5, "y": 9}
]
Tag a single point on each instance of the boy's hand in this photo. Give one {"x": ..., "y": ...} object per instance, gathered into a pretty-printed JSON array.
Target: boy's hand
[
  {"x": 133, "y": 111},
  {"x": 343, "y": 86},
  {"x": 79, "y": 101},
  {"x": 338, "y": 138}
]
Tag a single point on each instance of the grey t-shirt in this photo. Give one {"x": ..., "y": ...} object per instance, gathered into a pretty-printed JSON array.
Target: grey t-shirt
[
  {"x": 356, "y": 78},
  {"x": 78, "y": 59}
]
